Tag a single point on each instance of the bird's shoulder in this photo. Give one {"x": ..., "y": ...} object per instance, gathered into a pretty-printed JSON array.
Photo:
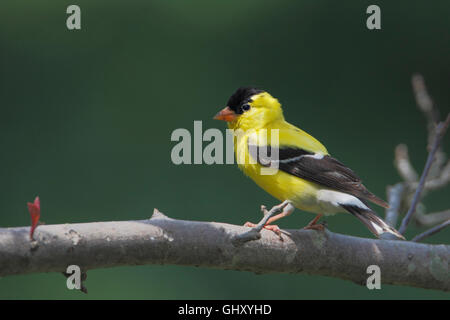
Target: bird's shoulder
[{"x": 289, "y": 136}]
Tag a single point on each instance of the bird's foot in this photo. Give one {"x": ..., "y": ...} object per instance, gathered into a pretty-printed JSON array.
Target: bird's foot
[
  {"x": 313, "y": 225},
  {"x": 280, "y": 210},
  {"x": 318, "y": 227},
  {"x": 272, "y": 227}
]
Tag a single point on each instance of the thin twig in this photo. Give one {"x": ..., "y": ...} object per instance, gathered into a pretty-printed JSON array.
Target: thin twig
[
  {"x": 440, "y": 132},
  {"x": 394, "y": 197},
  {"x": 254, "y": 233},
  {"x": 432, "y": 114},
  {"x": 423, "y": 100},
  {"x": 403, "y": 164},
  {"x": 433, "y": 218},
  {"x": 436, "y": 183},
  {"x": 431, "y": 231}
]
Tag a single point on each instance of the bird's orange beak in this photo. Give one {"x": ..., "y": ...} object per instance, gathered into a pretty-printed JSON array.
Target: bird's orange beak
[{"x": 226, "y": 114}]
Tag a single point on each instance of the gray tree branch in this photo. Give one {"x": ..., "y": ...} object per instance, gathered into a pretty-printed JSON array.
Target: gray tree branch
[
  {"x": 432, "y": 231},
  {"x": 161, "y": 240},
  {"x": 440, "y": 132},
  {"x": 436, "y": 174}
]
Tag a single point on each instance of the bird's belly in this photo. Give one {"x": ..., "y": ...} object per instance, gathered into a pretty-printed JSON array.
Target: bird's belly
[
  {"x": 284, "y": 186},
  {"x": 304, "y": 195}
]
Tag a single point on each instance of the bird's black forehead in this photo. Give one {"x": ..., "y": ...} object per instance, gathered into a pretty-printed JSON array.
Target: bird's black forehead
[{"x": 241, "y": 96}]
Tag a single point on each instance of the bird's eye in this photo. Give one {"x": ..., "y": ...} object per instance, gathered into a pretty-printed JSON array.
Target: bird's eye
[{"x": 246, "y": 107}]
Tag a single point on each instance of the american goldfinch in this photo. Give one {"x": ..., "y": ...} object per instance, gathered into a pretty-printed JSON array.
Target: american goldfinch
[{"x": 305, "y": 174}]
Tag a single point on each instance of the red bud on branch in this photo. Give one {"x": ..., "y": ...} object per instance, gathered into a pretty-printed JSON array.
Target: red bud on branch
[{"x": 35, "y": 213}]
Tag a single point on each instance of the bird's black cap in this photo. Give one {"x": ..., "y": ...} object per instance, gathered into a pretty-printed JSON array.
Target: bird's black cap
[{"x": 240, "y": 97}]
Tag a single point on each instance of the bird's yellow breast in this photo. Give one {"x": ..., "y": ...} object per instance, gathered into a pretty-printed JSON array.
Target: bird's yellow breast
[{"x": 281, "y": 185}]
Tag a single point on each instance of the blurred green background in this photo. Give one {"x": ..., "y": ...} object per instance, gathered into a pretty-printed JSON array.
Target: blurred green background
[{"x": 86, "y": 118}]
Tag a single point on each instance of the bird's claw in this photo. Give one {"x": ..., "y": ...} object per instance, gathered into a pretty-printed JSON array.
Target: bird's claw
[
  {"x": 272, "y": 227},
  {"x": 317, "y": 226},
  {"x": 249, "y": 224}
]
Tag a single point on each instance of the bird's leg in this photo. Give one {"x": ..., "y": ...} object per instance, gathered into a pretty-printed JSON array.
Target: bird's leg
[
  {"x": 313, "y": 225},
  {"x": 287, "y": 208}
]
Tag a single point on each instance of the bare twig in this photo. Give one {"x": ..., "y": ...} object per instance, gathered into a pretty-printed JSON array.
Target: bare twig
[
  {"x": 423, "y": 99},
  {"x": 431, "y": 219},
  {"x": 435, "y": 175},
  {"x": 162, "y": 241},
  {"x": 254, "y": 233},
  {"x": 432, "y": 114},
  {"x": 431, "y": 231},
  {"x": 440, "y": 132},
  {"x": 394, "y": 198},
  {"x": 440, "y": 181},
  {"x": 403, "y": 164}
]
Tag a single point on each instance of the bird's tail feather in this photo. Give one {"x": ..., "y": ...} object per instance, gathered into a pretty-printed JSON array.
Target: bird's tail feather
[
  {"x": 371, "y": 197},
  {"x": 373, "y": 222}
]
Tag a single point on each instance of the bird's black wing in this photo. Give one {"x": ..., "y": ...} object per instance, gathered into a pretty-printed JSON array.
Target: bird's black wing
[{"x": 321, "y": 169}]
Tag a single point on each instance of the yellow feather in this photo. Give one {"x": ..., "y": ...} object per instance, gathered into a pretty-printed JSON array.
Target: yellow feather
[
  {"x": 258, "y": 120},
  {"x": 256, "y": 124}
]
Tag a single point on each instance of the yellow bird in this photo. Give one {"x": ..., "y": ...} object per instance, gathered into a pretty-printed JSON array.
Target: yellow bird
[{"x": 292, "y": 165}]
